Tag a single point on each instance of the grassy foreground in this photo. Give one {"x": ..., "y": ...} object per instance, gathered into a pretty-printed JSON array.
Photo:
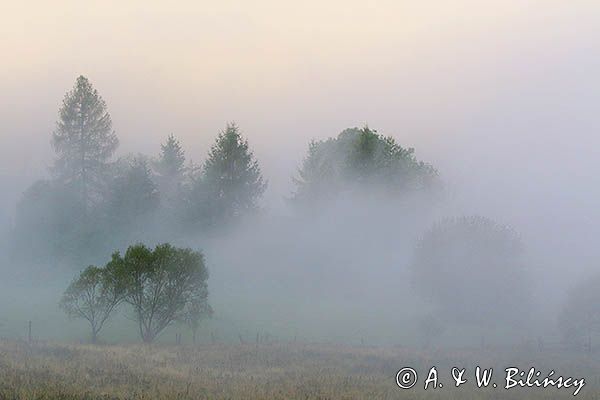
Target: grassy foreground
[{"x": 277, "y": 371}]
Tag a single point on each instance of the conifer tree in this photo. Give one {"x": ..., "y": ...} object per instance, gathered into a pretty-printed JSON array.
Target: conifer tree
[{"x": 84, "y": 140}]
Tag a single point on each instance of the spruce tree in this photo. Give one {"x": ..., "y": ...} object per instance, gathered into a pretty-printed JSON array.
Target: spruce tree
[
  {"x": 231, "y": 177},
  {"x": 170, "y": 163}
]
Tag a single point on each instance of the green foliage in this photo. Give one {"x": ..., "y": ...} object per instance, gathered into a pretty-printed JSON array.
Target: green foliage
[
  {"x": 231, "y": 177},
  {"x": 470, "y": 268},
  {"x": 83, "y": 140},
  {"x": 93, "y": 296},
  {"x": 161, "y": 285},
  {"x": 359, "y": 159}
]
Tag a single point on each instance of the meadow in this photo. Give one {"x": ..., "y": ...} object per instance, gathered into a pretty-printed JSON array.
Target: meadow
[{"x": 46, "y": 370}]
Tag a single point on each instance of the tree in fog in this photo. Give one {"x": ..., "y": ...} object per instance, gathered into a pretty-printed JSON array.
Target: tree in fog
[
  {"x": 133, "y": 197},
  {"x": 161, "y": 285},
  {"x": 171, "y": 160},
  {"x": 170, "y": 169},
  {"x": 83, "y": 140},
  {"x": 195, "y": 312},
  {"x": 231, "y": 182},
  {"x": 471, "y": 270},
  {"x": 93, "y": 296},
  {"x": 318, "y": 175},
  {"x": 579, "y": 320},
  {"x": 45, "y": 222},
  {"x": 359, "y": 158},
  {"x": 54, "y": 219}
]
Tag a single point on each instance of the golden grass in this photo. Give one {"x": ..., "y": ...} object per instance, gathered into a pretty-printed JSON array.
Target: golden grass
[{"x": 279, "y": 371}]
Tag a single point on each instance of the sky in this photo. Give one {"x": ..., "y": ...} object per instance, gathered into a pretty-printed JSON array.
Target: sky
[{"x": 501, "y": 96}]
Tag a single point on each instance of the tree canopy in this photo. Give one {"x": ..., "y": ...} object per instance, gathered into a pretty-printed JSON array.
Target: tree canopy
[
  {"x": 93, "y": 296},
  {"x": 162, "y": 285},
  {"x": 359, "y": 159}
]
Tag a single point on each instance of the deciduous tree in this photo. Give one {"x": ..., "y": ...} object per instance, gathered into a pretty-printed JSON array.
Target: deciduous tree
[
  {"x": 161, "y": 285},
  {"x": 93, "y": 296},
  {"x": 359, "y": 159}
]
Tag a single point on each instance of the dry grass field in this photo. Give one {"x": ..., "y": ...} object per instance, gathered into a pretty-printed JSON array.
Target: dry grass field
[{"x": 277, "y": 371}]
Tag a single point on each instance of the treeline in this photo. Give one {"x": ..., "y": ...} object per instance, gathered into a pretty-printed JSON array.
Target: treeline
[
  {"x": 93, "y": 203},
  {"x": 469, "y": 270}
]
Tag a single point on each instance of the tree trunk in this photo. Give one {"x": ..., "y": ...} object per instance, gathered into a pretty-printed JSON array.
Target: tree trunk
[{"x": 148, "y": 337}]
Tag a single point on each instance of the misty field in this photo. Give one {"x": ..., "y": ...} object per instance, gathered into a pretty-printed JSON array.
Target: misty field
[{"x": 251, "y": 371}]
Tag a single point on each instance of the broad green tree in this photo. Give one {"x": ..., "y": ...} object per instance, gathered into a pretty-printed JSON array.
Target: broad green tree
[
  {"x": 231, "y": 179},
  {"x": 93, "y": 296},
  {"x": 161, "y": 285},
  {"x": 84, "y": 140}
]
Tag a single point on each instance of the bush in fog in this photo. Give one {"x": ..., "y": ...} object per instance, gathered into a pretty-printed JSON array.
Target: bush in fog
[
  {"x": 93, "y": 296},
  {"x": 163, "y": 285},
  {"x": 359, "y": 159},
  {"x": 579, "y": 320},
  {"x": 471, "y": 270}
]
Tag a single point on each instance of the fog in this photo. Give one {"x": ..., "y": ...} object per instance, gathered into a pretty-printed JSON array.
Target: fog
[{"x": 499, "y": 97}]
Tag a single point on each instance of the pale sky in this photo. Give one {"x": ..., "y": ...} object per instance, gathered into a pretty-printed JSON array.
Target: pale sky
[{"x": 496, "y": 93}]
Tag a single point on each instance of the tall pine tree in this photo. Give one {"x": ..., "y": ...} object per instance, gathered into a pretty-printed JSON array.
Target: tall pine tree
[{"x": 83, "y": 140}]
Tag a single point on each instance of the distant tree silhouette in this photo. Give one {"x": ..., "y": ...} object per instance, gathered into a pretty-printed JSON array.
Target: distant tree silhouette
[
  {"x": 231, "y": 181},
  {"x": 472, "y": 271},
  {"x": 359, "y": 159},
  {"x": 83, "y": 140}
]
